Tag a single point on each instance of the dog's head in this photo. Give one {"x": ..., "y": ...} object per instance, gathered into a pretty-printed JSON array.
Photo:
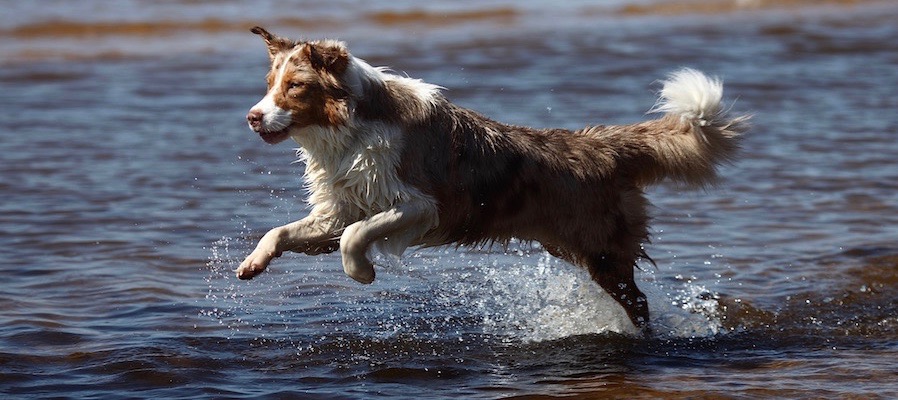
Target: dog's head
[{"x": 305, "y": 87}]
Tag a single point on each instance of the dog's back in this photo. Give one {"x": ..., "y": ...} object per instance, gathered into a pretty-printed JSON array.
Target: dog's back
[{"x": 495, "y": 181}]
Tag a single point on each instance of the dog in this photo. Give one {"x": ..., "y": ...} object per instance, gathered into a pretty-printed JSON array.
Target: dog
[{"x": 392, "y": 163}]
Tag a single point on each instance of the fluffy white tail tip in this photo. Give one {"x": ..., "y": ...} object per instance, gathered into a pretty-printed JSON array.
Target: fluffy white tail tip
[{"x": 692, "y": 95}]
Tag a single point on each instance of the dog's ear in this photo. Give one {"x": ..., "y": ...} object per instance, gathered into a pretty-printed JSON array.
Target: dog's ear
[
  {"x": 331, "y": 56},
  {"x": 276, "y": 44}
]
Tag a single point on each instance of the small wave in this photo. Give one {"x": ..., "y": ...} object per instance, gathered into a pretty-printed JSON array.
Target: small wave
[
  {"x": 858, "y": 302},
  {"x": 156, "y": 28},
  {"x": 435, "y": 18},
  {"x": 82, "y": 29},
  {"x": 403, "y": 375},
  {"x": 725, "y": 6}
]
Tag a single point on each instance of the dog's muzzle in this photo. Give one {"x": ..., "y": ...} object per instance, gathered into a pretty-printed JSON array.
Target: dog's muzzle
[{"x": 256, "y": 121}]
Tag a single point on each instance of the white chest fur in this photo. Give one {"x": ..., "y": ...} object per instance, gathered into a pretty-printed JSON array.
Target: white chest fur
[{"x": 354, "y": 171}]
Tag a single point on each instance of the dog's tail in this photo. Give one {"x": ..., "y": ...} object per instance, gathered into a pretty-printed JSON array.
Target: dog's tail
[{"x": 694, "y": 136}]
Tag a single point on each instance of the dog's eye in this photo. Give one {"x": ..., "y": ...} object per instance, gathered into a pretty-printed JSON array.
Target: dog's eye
[{"x": 296, "y": 85}]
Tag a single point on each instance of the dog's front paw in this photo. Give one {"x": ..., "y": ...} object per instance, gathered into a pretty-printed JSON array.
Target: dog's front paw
[{"x": 254, "y": 264}]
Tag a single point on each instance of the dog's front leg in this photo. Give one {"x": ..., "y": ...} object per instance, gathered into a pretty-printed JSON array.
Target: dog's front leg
[
  {"x": 404, "y": 225},
  {"x": 311, "y": 234}
]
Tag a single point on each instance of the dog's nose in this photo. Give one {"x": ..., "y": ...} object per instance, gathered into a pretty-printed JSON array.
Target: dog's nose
[{"x": 254, "y": 118}]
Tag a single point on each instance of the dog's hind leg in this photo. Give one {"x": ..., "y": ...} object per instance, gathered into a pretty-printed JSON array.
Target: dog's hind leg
[
  {"x": 397, "y": 227},
  {"x": 615, "y": 275}
]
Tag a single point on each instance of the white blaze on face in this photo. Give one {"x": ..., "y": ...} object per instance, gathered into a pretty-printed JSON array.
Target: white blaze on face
[{"x": 275, "y": 118}]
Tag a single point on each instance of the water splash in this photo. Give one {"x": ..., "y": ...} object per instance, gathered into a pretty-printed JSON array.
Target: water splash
[
  {"x": 223, "y": 295},
  {"x": 542, "y": 298},
  {"x": 684, "y": 309},
  {"x": 546, "y": 300},
  {"x": 521, "y": 296},
  {"x": 244, "y": 309}
]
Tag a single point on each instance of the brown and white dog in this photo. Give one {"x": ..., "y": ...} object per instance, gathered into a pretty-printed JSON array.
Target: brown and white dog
[{"x": 391, "y": 162}]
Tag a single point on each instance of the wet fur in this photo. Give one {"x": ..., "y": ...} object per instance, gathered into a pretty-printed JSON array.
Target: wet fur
[{"x": 391, "y": 161}]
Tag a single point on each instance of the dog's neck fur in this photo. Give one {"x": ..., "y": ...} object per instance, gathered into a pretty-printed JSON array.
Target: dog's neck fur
[{"x": 351, "y": 169}]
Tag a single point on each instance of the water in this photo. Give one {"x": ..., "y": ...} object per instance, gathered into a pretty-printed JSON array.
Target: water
[{"x": 132, "y": 188}]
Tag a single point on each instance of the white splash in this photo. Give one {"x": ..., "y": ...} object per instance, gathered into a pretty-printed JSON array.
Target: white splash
[
  {"x": 245, "y": 310},
  {"x": 546, "y": 301},
  {"x": 543, "y": 298},
  {"x": 523, "y": 296}
]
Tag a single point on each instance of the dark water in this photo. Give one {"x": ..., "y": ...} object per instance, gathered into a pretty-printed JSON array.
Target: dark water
[{"x": 132, "y": 187}]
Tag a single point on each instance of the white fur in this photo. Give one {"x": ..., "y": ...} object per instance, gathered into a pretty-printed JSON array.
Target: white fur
[
  {"x": 359, "y": 75},
  {"x": 283, "y": 70},
  {"x": 353, "y": 168},
  {"x": 274, "y": 118},
  {"x": 692, "y": 95},
  {"x": 392, "y": 231},
  {"x": 425, "y": 92},
  {"x": 351, "y": 174}
]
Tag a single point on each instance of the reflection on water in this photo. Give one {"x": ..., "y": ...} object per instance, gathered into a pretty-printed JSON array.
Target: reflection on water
[{"x": 132, "y": 189}]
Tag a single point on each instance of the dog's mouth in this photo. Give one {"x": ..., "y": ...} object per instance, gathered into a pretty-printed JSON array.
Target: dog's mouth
[{"x": 274, "y": 137}]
